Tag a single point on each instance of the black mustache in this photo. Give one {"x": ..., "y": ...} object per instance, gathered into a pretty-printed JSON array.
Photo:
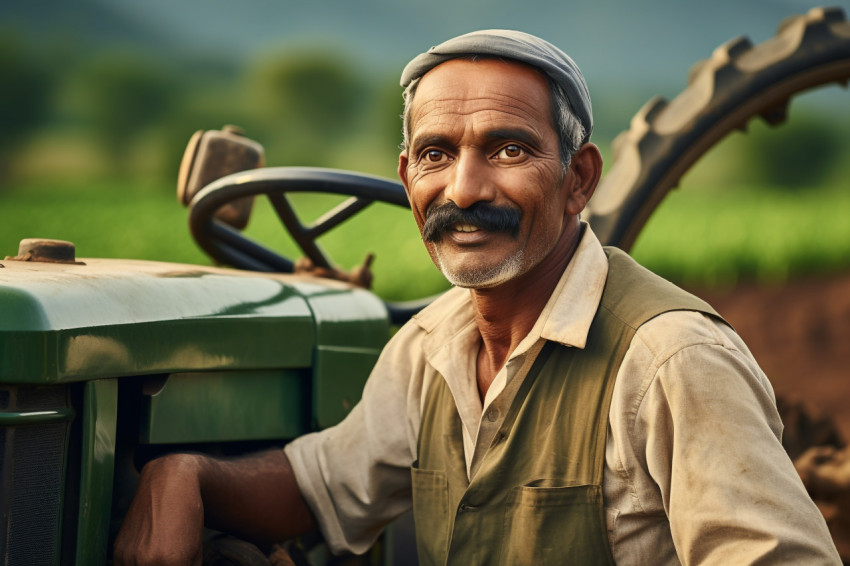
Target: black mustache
[{"x": 486, "y": 216}]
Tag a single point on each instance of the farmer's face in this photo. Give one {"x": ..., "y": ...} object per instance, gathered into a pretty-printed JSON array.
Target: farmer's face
[{"x": 482, "y": 142}]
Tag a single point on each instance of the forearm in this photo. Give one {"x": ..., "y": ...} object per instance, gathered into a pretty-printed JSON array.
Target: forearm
[{"x": 254, "y": 497}]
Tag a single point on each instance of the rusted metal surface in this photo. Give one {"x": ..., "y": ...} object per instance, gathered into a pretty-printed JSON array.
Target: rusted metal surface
[
  {"x": 46, "y": 251},
  {"x": 360, "y": 276}
]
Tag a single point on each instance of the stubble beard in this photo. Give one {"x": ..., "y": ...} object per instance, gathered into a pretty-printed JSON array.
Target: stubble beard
[
  {"x": 481, "y": 277},
  {"x": 517, "y": 264}
]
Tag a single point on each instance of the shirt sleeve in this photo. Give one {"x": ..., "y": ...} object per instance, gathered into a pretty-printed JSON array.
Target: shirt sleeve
[
  {"x": 709, "y": 436},
  {"x": 355, "y": 477}
]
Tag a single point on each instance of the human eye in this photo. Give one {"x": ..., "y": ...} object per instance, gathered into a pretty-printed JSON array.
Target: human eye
[
  {"x": 434, "y": 156},
  {"x": 510, "y": 151}
]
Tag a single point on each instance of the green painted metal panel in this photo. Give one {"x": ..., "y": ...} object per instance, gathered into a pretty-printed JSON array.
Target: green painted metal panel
[
  {"x": 49, "y": 297},
  {"x": 100, "y": 414},
  {"x": 349, "y": 337},
  {"x": 225, "y": 406},
  {"x": 355, "y": 319},
  {"x": 65, "y": 323},
  {"x": 339, "y": 375},
  {"x": 157, "y": 347},
  {"x": 21, "y": 310}
]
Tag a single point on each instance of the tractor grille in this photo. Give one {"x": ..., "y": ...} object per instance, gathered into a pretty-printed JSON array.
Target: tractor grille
[{"x": 34, "y": 424}]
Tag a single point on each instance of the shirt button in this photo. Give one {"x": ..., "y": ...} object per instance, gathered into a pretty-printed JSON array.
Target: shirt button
[{"x": 492, "y": 415}]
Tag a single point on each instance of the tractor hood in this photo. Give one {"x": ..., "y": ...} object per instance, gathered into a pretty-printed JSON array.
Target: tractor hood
[{"x": 94, "y": 318}]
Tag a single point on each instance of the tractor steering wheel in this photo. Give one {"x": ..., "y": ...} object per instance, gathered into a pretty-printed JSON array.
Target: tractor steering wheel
[{"x": 229, "y": 246}]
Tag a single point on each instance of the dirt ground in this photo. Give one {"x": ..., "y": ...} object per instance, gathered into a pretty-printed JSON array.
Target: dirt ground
[{"x": 800, "y": 335}]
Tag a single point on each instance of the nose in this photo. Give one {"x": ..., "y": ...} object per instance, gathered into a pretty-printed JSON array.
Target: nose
[{"x": 470, "y": 181}]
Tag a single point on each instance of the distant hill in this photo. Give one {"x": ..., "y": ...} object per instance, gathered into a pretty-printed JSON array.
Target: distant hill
[
  {"x": 71, "y": 29},
  {"x": 86, "y": 23}
]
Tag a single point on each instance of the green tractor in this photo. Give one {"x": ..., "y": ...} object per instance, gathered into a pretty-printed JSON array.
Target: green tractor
[{"x": 106, "y": 364}]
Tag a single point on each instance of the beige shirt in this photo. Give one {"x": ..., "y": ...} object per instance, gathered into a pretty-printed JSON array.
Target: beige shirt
[{"x": 694, "y": 469}]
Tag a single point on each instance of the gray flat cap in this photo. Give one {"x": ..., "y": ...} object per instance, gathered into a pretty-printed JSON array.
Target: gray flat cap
[{"x": 517, "y": 46}]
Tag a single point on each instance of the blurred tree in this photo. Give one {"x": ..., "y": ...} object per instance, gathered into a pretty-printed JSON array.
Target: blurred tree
[
  {"x": 308, "y": 103},
  {"x": 387, "y": 109},
  {"x": 24, "y": 98},
  {"x": 124, "y": 95},
  {"x": 206, "y": 97},
  {"x": 802, "y": 152}
]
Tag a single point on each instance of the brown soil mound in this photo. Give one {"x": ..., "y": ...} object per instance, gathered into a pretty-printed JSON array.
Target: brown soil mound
[{"x": 800, "y": 335}]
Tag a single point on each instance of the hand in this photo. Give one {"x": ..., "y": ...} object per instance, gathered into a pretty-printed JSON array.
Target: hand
[{"x": 165, "y": 522}]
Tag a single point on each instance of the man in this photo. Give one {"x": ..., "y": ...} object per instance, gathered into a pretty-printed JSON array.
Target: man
[{"x": 561, "y": 405}]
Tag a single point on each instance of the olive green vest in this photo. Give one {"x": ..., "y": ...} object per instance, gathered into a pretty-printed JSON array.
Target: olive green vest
[{"x": 537, "y": 496}]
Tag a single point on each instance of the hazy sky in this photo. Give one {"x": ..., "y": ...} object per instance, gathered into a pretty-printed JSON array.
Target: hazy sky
[{"x": 610, "y": 39}]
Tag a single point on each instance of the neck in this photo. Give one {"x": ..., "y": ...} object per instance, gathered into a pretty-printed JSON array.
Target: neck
[{"x": 506, "y": 314}]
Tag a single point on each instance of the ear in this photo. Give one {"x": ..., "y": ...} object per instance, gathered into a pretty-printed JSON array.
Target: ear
[
  {"x": 583, "y": 176},
  {"x": 402, "y": 171}
]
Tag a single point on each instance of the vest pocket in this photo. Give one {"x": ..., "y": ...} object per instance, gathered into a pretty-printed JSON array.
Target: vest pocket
[
  {"x": 555, "y": 525},
  {"x": 431, "y": 514}
]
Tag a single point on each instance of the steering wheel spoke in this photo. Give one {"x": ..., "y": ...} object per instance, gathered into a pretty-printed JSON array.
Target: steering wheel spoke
[
  {"x": 303, "y": 235},
  {"x": 339, "y": 214}
]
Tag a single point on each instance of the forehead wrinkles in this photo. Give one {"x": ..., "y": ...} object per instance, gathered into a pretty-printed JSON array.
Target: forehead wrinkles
[{"x": 495, "y": 109}]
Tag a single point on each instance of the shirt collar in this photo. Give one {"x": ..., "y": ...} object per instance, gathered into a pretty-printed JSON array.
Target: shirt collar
[
  {"x": 567, "y": 315},
  {"x": 565, "y": 319}
]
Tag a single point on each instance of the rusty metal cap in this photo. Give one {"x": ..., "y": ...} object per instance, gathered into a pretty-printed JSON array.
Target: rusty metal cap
[{"x": 45, "y": 250}]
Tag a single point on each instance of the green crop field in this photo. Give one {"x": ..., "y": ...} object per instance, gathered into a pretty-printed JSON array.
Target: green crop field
[
  {"x": 711, "y": 238},
  {"x": 697, "y": 237}
]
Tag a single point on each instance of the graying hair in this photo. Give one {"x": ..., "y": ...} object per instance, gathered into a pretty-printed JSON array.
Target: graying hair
[{"x": 567, "y": 125}]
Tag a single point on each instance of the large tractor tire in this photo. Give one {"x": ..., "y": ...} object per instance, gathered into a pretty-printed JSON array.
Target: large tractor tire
[{"x": 738, "y": 82}]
